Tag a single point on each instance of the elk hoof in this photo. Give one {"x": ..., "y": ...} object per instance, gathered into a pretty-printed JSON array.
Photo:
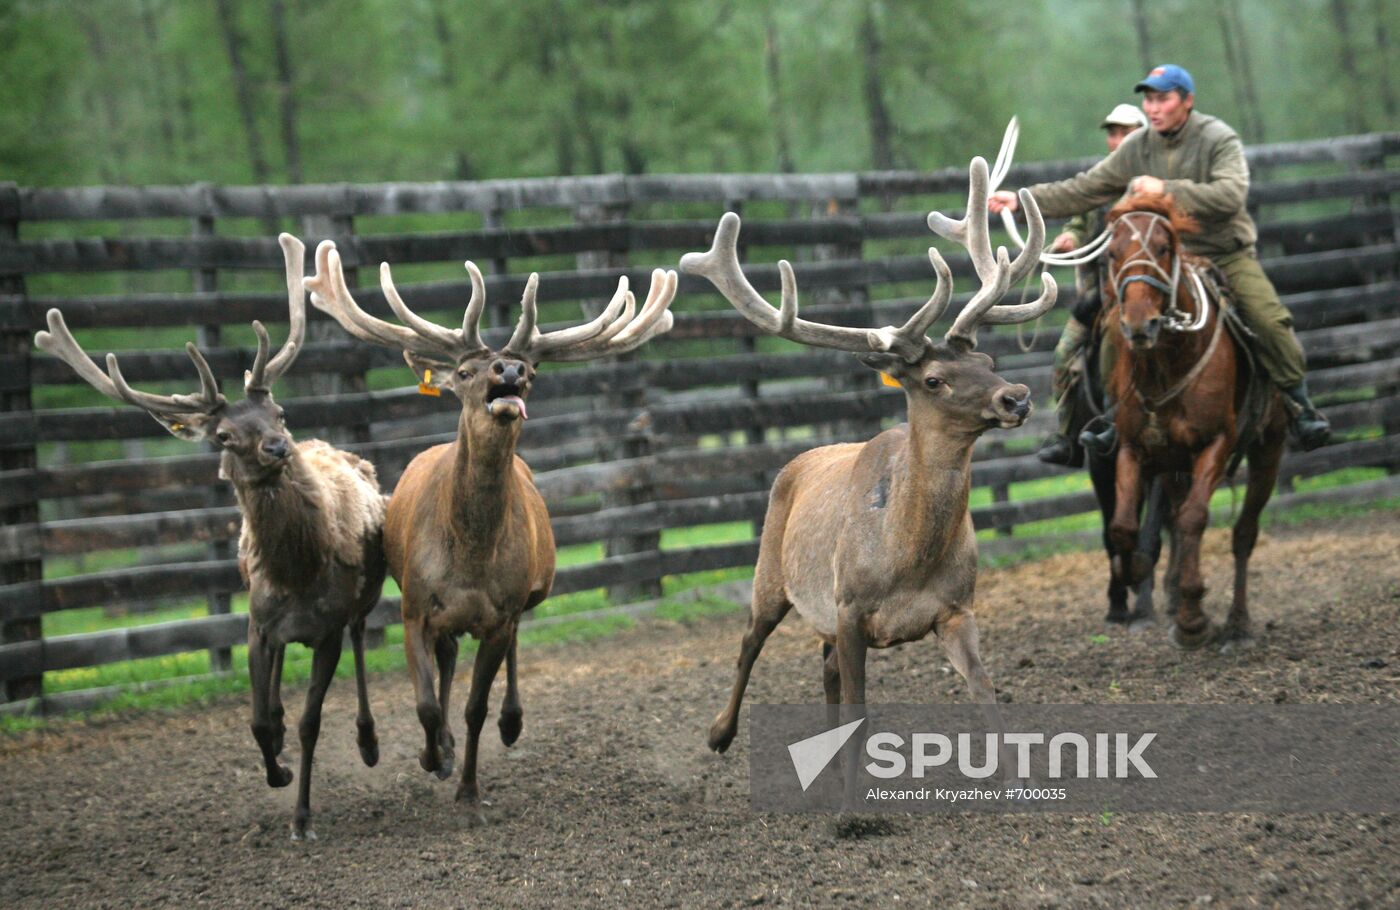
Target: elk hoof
[
  {"x": 850, "y": 826},
  {"x": 1236, "y": 641},
  {"x": 1191, "y": 641},
  {"x": 369, "y": 749},
  {"x": 440, "y": 764},
  {"x": 721, "y": 734},
  {"x": 279, "y": 776},
  {"x": 302, "y": 833},
  {"x": 511, "y": 725}
]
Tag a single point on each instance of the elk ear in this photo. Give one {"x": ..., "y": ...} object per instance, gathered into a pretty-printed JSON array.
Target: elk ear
[
  {"x": 191, "y": 427},
  {"x": 432, "y": 374},
  {"x": 890, "y": 364}
]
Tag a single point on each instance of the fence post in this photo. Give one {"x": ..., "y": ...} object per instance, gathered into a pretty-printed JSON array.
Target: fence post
[
  {"x": 216, "y": 496},
  {"x": 15, "y": 345},
  {"x": 856, "y": 302},
  {"x": 635, "y": 443}
]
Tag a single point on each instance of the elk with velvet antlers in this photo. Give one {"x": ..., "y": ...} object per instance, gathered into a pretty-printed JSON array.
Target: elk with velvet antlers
[
  {"x": 873, "y": 542},
  {"x": 467, "y": 535},
  {"x": 311, "y": 548}
]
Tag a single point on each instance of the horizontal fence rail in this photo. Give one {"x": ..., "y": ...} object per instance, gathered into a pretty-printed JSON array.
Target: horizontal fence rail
[{"x": 653, "y": 466}]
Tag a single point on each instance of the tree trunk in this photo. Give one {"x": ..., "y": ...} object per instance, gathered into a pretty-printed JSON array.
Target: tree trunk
[
  {"x": 876, "y": 112},
  {"x": 1236, "y": 61},
  {"x": 1378, "y": 12},
  {"x": 777, "y": 113},
  {"x": 103, "y": 102},
  {"x": 463, "y": 168},
  {"x": 164, "y": 107},
  {"x": 1144, "y": 39},
  {"x": 1251, "y": 95},
  {"x": 243, "y": 89},
  {"x": 1346, "y": 57},
  {"x": 286, "y": 92}
]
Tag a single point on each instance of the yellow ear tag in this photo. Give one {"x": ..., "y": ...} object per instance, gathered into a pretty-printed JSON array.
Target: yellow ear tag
[
  {"x": 176, "y": 426},
  {"x": 887, "y": 379},
  {"x": 425, "y": 389}
]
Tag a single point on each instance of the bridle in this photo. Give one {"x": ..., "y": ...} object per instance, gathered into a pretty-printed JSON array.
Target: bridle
[{"x": 1142, "y": 224}]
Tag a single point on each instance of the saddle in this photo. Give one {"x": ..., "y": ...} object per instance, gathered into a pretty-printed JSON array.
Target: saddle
[{"x": 1257, "y": 390}]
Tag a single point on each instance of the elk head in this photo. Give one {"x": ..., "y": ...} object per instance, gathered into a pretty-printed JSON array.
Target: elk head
[
  {"x": 950, "y": 385},
  {"x": 251, "y": 432},
  {"x": 492, "y": 385}
]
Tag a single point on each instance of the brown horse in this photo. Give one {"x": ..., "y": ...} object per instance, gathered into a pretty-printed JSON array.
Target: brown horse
[{"x": 1180, "y": 382}]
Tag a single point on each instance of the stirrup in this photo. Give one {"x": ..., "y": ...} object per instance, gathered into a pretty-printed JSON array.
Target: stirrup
[{"x": 1099, "y": 437}]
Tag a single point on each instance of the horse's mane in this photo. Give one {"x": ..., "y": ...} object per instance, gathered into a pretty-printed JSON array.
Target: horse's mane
[{"x": 1163, "y": 204}]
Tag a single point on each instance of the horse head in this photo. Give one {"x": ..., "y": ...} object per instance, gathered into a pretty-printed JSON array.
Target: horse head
[{"x": 1144, "y": 263}]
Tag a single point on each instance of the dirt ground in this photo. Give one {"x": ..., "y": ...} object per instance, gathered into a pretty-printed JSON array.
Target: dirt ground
[{"x": 611, "y": 798}]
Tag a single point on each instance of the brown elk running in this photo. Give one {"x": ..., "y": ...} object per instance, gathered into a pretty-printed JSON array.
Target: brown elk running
[
  {"x": 873, "y": 542},
  {"x": 467, "y": 535},
  {"x": 311, "y": 547}
]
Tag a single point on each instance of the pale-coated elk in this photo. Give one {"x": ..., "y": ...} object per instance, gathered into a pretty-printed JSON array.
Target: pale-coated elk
[
  {"x": 873, "y": 542},
  {"x": 467, "y": 535},
  {"x": 311, "y": 545}
]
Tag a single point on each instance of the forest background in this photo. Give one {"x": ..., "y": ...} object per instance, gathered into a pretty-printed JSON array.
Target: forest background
[{"x": 293, "y": 91}]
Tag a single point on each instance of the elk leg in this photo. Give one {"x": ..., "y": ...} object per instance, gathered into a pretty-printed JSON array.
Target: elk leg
[
  {"x": 261, "y": 658},
  {"x": 1193, "y": 627},
  {"x": 831, "y": 682},
  {"x": 365, "y": 736},
  {"x": 420, "y": 670},
  {"x": 1263, "y": 472},
  {"x": 1123, "y": 530},
  {"x": 488, "y": 660},
  {"x": 851, "y": 648},
  {"x": 324, "y": 660},
  {"x": 512, "y": 719},
  {"x": 446, "y": 650},
  {"x": 959, "y": 639},
  {"x": 764, "y": 616},
  {"x": 276, "y": 712}
]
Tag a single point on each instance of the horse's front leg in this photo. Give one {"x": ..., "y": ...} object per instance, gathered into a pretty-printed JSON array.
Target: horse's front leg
[
  {"x": 1193, "y": 628},
  {"x": 1129, "y": 566}
]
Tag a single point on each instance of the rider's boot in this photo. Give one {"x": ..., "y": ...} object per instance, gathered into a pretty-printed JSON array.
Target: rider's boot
[
  {"x": 1310, "y": 426},
  {"x": 1057, "y": 449},
  {"x": 1099, "y": 437}
]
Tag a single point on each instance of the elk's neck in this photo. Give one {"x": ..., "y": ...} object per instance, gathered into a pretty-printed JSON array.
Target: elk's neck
[
  {"x": 286, "y": 534},
  {"x": 483, "y": 479},
  {"x": 929, "y": 491}
]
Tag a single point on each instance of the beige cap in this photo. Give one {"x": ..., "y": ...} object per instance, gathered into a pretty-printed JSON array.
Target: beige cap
[{"x": 1124, "y": 115}]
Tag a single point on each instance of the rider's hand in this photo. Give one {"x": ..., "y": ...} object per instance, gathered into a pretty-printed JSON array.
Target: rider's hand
[
  {"x": 1002, "y": 199},
  {"x": 1146, "y": 184},
  {"x": 1064, "y": 243}
]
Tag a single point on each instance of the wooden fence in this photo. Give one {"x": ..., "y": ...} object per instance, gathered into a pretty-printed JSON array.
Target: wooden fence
[{"x": 687, "y": 433}]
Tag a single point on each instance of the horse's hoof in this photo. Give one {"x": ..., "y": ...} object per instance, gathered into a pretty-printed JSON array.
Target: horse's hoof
[
  {"x": 279, "y": 776},
  {"x": 721, "y": 735},
  {"x": 1141, "y": 622},
  {"x": 369, "y": 750},
  {"x": 510, "y": 725},
  {"x": 1190, "y": 641},
  {"x": 1237, "y": 644}
]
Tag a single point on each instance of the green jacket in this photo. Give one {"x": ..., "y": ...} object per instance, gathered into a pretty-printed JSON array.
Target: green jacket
[{"x": 1203, "y": 165}]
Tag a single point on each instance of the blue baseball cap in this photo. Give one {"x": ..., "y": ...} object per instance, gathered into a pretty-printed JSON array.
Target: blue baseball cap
[{"x": 1165, "y": 78}]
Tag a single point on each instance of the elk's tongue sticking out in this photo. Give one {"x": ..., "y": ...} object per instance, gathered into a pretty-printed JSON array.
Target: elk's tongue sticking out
[{"x": 495, "y": 409}]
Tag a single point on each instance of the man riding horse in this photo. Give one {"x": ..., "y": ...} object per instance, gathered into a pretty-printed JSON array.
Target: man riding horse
[{"x": 1200, "y": 161}]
